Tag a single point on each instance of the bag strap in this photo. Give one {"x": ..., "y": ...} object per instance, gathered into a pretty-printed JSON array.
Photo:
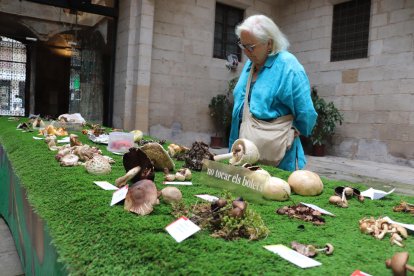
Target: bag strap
[{"x": 246, "y": 109}]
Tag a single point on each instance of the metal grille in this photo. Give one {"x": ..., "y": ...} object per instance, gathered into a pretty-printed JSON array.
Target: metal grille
[
  {"x": 12, "y": 77},
  {"x": 225, "y": 39},
  {"x": 350, "y": 30}
]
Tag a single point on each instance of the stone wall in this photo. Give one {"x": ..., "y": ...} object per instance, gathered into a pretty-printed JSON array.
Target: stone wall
[
  {"x": 184, "y": 74},
  {"x": 375, "y": 94}
]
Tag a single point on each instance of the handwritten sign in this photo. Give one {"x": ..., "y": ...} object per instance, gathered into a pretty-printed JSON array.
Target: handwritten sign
[{"x": 238, "y": 180}]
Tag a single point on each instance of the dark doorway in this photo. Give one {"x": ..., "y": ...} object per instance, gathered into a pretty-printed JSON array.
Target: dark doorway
[{"x": 52, "y": 79}]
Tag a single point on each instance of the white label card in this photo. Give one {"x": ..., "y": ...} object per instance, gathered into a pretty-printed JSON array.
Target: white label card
[
  {"x": 182, "y": 228},
  {"x": 407, "y": 226},
  {"x": 119, "y": 195},
  {"x": 64, "y": 140},
  {"x": 314, "y": 207},
  {"x": 209, "y": 198},
  {"x": 177, "y": 183},
  {"x": 292, "y": 256},
  {"x": 376, "y": 194},
  {"x": 105, "y": 185},
  {"x": 38, "y": 138}
]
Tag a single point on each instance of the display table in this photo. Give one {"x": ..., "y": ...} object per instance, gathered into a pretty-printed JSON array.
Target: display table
[{"x": 63, "y": 223}]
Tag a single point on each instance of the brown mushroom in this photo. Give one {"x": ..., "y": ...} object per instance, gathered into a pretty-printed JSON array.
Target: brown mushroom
[
  {"x": 141, "y": 197},
  {"x": 158, "y": 155},
  {"x": 74, "y": 140},
  {"x": 136, "y": 157},
  {"x": 398, "y": 264}
]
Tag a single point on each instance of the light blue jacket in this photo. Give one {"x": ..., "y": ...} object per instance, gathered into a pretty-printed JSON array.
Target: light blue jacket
[{"x": 281, "y": 88}]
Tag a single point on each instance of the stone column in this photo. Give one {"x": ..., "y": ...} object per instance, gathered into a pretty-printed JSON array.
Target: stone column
[{"x": 133, "y": 64}]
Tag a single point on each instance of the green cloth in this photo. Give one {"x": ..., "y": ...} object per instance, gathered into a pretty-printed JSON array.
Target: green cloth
[{"x": 33, "y": 243}]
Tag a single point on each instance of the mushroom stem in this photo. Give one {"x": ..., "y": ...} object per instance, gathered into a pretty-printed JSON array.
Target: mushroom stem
[
  {"x": 224, "y": 156},
  {"x": 328, "y": 249},
  {"x": 122, "y": 181}
]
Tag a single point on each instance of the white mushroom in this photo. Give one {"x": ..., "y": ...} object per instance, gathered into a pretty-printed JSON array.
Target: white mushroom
[
  {"x": 171, "y": 194},
  {"x": 305, "y": 183},
  {"x": 242, "y": 151},
  {"x": 276, "y": 189}
]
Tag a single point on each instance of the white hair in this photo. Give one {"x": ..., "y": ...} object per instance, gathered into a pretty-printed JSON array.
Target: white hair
[{"x": 263, "y": 28}]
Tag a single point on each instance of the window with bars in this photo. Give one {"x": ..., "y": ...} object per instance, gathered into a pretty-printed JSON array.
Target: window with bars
[
  {"x": 350, "y": 30},
  {"x": 227, "y": 18}
]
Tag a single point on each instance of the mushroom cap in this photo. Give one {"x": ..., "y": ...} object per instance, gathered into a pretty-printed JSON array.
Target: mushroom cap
[
  {"x": 276, "y": 189},
  {"x": 158, "y": 155},
  {"x": 69, "y": 160},
  {"x": 98, "y": 165},
  {"x": 171, "y": 194},
  {"x": 136, "y": 157},
  {"x": 141, "y": 197},
  {"x": 244, "y": 151},
  {"x": 329, "y": 249},
  {"x": 397, "y": 263},
  {"x": 305, "y": 183}
]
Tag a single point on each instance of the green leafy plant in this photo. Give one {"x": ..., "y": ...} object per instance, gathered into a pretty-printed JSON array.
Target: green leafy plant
[
  {"x": 328, "y": 118},
  {"x": 221, "y": 107}
]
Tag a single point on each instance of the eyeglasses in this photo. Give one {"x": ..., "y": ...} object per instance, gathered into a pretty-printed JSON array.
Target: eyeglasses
[{"x": 249, "y": 48}]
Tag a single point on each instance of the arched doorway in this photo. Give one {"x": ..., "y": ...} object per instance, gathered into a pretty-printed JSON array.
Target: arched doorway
[{"x": 12, "y": 77}]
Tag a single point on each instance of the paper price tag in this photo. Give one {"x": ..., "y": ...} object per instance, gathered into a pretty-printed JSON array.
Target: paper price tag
[
  {"x": 209, "y": 198},
  {"x": 119, "y": 195},
  {"x": 360, "y": 273},
  {"x": 182, "y": 228},
  {"x": 292, "y": 256},
  {"x": 314, "y": 207},
  {"x": 105, "y": 185}
]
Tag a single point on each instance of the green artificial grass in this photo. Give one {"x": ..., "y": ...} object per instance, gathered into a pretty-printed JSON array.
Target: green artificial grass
[{"x": 95, "y": 239}]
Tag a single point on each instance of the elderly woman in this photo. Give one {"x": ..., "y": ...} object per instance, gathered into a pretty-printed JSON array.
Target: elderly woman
[{"x": 279, "y": 85}]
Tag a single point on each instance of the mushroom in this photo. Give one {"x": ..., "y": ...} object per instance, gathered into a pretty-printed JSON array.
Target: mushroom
[
  {"x": 51, "y": 142},
  {"x": 336, "y": 200},
  {"x": 305, "y": 183},
  {"x": 242, "y": 151},
  {"x": 136, "y": 157},
  {"x": 98, "y": 165},
  {"x": 239, "y": 207},
  {"x": 158, "y": 155},
  {"x": 174, "y": 149},
  {"x": 310, "y": 250},
  {"x": 328, "y": 249},
  {"x": 184, "y": 172},
  {"x": 123, "y": 180},
  {"x": 256, "y": 169},
  {"x": 74, "y": 140},
  {"x": 398, "y": 264},
  {"x": 396, "y": 239},
  {"x": 141, "y": 197},
  {"x": 171, "y": 194},
  {"x": 276, "y": 189},
  {"x": 69, "y": 160},
  {"x": 137, "y": 135}
]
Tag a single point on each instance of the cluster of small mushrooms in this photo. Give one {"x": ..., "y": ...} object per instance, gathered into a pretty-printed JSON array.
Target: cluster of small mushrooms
[
  {"x": 380, "y": 227},
  {"x": 343, "y": 194}
]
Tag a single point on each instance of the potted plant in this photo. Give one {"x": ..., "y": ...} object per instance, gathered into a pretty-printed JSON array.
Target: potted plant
[
  {"x": 221, "y": 108},
  {"x": 328, "y": 117}
]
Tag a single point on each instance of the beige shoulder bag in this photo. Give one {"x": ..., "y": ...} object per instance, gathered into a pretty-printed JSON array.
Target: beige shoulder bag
[{"x": 272, "y": 138}]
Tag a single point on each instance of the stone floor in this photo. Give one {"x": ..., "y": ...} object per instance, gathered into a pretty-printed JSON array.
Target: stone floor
[{"x": 373, "y": 174}]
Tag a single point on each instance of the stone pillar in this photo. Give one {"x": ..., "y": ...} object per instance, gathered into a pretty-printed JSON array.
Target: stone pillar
[{"x": 133, "y": 64}]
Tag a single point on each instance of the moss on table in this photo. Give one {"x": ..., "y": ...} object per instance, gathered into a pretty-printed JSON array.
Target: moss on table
[{"x": 95, "y": 239}]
